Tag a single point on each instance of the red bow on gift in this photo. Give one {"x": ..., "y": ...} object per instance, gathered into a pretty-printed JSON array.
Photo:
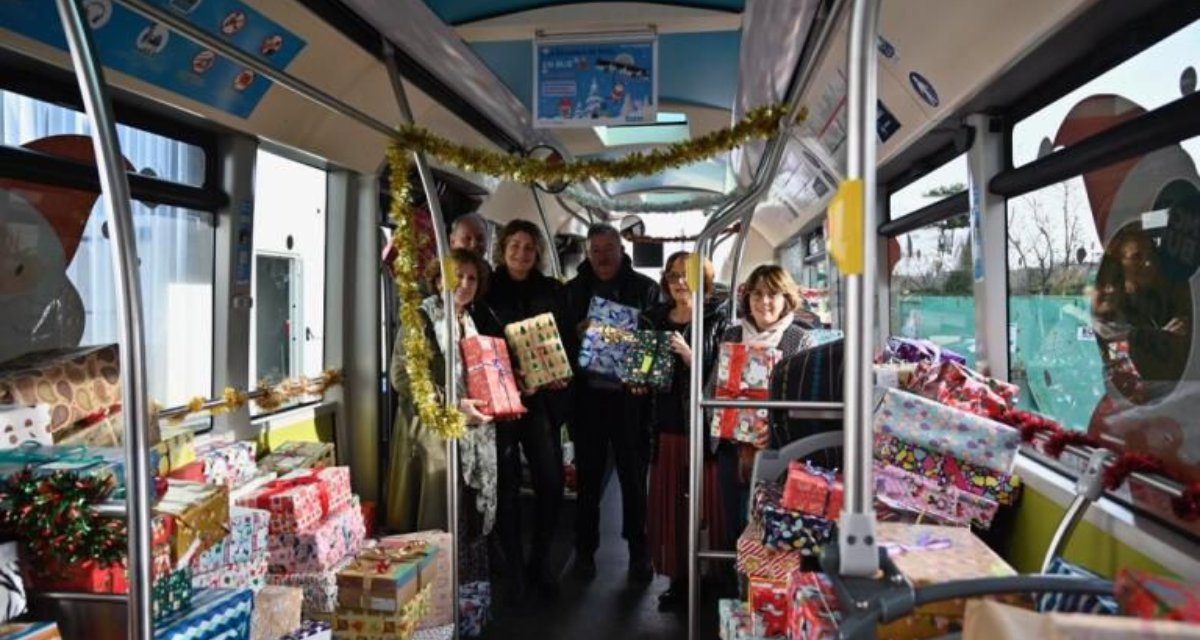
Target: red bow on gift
[{"x": 283, "y": 485}]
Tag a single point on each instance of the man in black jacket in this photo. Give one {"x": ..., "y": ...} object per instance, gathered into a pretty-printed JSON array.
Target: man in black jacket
[{"x": 606, "y": 413}]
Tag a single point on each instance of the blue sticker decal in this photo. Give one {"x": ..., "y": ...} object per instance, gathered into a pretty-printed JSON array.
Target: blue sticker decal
[
  {"x": 594, "y": 83},
  {"x": 924, "y": 88},
  {"x": 886, "y": 49},
  {"x": 886, "y": 124},
  {"x": 976, "y": 218},
  {"x": 135, "y": 46}
]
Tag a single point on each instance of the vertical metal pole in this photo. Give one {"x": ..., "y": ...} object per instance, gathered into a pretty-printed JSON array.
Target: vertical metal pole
[
  {"x": 736, "y": 273},
  {"x": 115, "y": 185},
  {"x": 451, "y": 353},
  {"x": 555, "y": 264},
  {"x": 696, "y": 459},
  {"x": 856, "y": 535}
]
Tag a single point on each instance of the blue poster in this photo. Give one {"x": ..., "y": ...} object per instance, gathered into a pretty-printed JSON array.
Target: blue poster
[
  {"x": 588, "y": 84},
  {"x": 133, "y": 45}
]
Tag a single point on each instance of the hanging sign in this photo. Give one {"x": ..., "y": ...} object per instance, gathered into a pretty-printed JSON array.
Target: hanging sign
[{"x": 595, "y": 81}]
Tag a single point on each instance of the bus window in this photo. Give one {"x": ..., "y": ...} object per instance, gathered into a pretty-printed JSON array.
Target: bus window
[
  {"x": 947, "y": 180},
  {"x": 288, "y": 336},
  {"x": 175, "y": 246}
]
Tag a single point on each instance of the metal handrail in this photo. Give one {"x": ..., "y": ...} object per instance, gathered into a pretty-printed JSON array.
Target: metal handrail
[
  {"x": 1159, "y": 482},
  {"x": 722, "y": 218},
  {"x": 114, "y": 182},
  {"x": 551, "y": 248}
]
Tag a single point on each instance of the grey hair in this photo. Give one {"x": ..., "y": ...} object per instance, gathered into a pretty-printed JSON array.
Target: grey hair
[
  {"x": 470, "y": 218},
  {"x": 603, "y": 229}
]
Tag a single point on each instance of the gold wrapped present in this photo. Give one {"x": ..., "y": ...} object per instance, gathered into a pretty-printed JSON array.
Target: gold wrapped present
[
  {"x": 356, "y": 624},
  {"x": 539, "y": 350},
  {"x": 386, "y": 578},
  {"x": 176, "y": 450},
  {"x": 201, "y": 514}
]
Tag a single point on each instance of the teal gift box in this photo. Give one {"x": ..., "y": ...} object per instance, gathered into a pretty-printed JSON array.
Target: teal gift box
[
  {"x": 171, "y": 594},
  {"x": 214, "y": 614},
  {"x": 78, "y": 459}
]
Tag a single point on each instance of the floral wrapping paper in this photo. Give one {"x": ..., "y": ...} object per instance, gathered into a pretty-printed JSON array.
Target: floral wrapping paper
[
  {"x": 290, "y": 456},
  {"x": 176, "y": 450},
  {"x": 539, "y": 350},
  {"x": 604, "y": 350},
  {"x": 385, "y": 578},
  {"x": 490, "y": 377},
  {"x": 812, "y": 490},
  {"x": 215, "y": 614},
  {"x": 769, "y": 599},
  {"x": 955, "y": 385},
  {"x": 814, "y": 612},
  {"x": 301, "y": 500},
  {"x": 978, "y": 480},
  {"x": 247, "y": 541},
  {"x": 649, "y": 361},
  {"x": 968, "y": 437},
  {"x": 903, "y": 490},
  {"x": 916, "y": 351},
  {"x": 171, "y": 594},
  {"x": 276, "y": 612},
  {"x": 19, "y": 425},
  {"x": 738, "y": 622},
  {"x": 474, "y": 608},
  {"x": 339, "y": 536},
  {"x": 230, "y": 464},
  {"x": 311, "y": 630},
  {"x": 320, "y": 588},
  {"x": 201, "y": 512},
  {"x": 784, "y": 529},
  {"x": 251, "y": 575},
  {"x": 1149, "y": 596},
  {"x": 757, "y": 561},
  {"x": 743, "y": 372},
  {"x": 441, "y": 609}
]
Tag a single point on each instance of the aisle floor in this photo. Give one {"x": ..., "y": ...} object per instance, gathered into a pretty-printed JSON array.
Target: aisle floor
[{"x": 608, "y": 607}]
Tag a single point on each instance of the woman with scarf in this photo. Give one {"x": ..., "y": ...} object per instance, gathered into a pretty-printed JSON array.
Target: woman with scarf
[
  {"x": 416, "y": 487},
  {"x": 670, "y": 421}
]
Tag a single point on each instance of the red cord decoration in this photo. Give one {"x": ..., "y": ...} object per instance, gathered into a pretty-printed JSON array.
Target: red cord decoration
[
  {"x": 1187, "y": 506},
  {"x": 1061, "y": 439},
  {"x": 1128, "y": 463}
]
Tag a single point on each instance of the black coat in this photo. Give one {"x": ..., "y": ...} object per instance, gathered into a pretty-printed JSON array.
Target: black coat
[{"x": 629, "y": 288}]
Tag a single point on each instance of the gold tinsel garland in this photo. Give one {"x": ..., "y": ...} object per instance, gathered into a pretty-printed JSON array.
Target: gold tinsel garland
[
  {"x": 272, "y": 396},
  {"x": 447, "y": 422}
]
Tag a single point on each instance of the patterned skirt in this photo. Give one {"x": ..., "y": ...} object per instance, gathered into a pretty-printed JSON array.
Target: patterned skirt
[{"x": 667, "y": 522}]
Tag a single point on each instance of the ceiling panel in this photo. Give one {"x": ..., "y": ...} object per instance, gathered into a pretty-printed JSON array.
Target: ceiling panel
[{"x": 457, "y": 12}]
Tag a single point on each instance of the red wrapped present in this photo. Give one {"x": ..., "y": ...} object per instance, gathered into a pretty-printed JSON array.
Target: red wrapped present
[
  {"x": 743, "y": 370},
  {"x": 958, "y": 386},
  {"x": 490, "y": 377},
  {"x": 742, "y": 425},
  {"x": 299, "y": 501},
  {"x": 1149, "y": 596},
  {"x": 813, "y": 612},
  {"x": 812, "y": 490},
  {"x": 190, "y": 472},
  {"x": 88, "y": 576},
  {"x": 769, "y": 599},
  {"x": 755, "y": 560}
]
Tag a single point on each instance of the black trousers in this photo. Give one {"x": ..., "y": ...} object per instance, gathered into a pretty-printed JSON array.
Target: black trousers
[
  {"x": 539, "y": 438},
  {"x": 617, "y": 420}
]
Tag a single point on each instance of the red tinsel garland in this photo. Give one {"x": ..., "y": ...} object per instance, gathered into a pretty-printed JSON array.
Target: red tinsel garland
[
  {"x": 1128, "y": 463},
  {"x": 1187, "y": 506}
]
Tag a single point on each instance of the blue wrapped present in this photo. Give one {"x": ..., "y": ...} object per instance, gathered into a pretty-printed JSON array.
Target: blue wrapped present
[
  {"x": 215, "y": 614},
  {"x": 474, "y": 608},
  {"x": 612, "y": 314},
  {"x": 84, "y": 461},
  {"x": 605, "y": 350},
  {"x": 787, "y": 530},
  {"x": 1073, "y": 602}
]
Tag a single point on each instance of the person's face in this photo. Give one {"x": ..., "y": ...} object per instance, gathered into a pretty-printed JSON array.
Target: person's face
[
  {"x": 1107, "y": 297},
  {"x": 1137, "y": 261},
  {"x": 766, "y": 307},
  {"x": 520, "y": 255},
  {"x": 677, "y": 284},
  {"x": 467, "y": 236},
  {"x": 604, "y": 253},
  {"x": 468, "y": 285}
]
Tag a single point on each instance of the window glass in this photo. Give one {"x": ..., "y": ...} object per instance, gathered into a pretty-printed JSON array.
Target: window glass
[
  {"x": 945, "y": 181},
  {"x": 24, "y": 120},
  {"x": 931, "y": 286},
  {"x": 288, "y": 336}
]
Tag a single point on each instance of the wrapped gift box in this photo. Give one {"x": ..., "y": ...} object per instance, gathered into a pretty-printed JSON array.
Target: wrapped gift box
[
  {"x": 916, "y": 351},
  {"x": 75, "y": 383},
  {"x": 978, "y": 480},
  {"x": 290, "y": 456},
  {"x": 784, "y": 529},
  {"x": 756, "y": 560},
  {"x": 994, "y": 621},
  {"x": 230, "y": 464},
  {"x": 338, "y": 536},
  {"x": 22, "y": 424},
  {"x": 1149, "y": 596},
  {"x": 300, "y": 501},
  {"x": 649, "y": 361},
  {"x": 276, "y": 612},
  {"x": 356, "y": 624},
  {"x": 251, "y": 574},
  {"x": 937, "y": 427},
  {"x": 812, "y": 490},
  {"x": 171, "y": 594},
  {"x": 539, "y": 350},
  {"x": 474, "y": 608},
  {"x": 769, "y": 599},
  {"x": 896, "y": 375},
  {"x": 742, "y": 425},
  {"x": 247, "y": 541},
  {"x": 490, "y": 377},
  {"x": 320, "y": 588},
  {"x": 215, "y": 614},
  {"x": 88, "y": 576},
  {"x": 738, "y": 622},
  {"x": 385, "y": 578},
  {"x": 814, "y": 612},
  {"x": 177, "y": 450},
  {"x": 744, "y": 369},
  {"x": 612, "y": 314},
  {"x": 29, "y": 631},
  {"x": 441, "y": 609},
  {"x": 604, "y": 349},
  {"x": 955, "y": 385},
  {"x": 201, "y": 512},
  {"x": 311, "y": 630},
  {"x": 903, "y": 490}
]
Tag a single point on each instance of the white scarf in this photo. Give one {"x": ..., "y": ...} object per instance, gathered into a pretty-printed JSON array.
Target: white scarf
[
  {"x": 433, "y": 308},
  {"x": 767, "y": 337}
]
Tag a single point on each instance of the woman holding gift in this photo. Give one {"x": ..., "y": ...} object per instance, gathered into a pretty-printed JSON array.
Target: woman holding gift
[
  {"x": 670, "y": 419},
  {"x": 766, "y": 306},
  {"x": 416, "y": 487},
  {"x": 521, "y": 291}
]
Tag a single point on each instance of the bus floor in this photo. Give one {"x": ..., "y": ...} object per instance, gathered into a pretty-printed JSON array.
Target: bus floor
[{"x": 608, "y": 607}]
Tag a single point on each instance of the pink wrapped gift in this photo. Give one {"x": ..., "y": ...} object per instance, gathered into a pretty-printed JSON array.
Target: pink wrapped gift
[
  {"x": 241, "y": 575},
  {"x": 995, "y": 486},
  {"x": 339, "y": 535},
  {"x": 229, "y": 464},
  {"x": 441, "y": 609},
  {"x": 902, "y": 490},
  {"x": 956, "y": 385},
  {"x": 812, "y": 490},
  {"x": 769, "y": 599},
  {"x": 320, "y": 588},
  {"x": 299, "y": 501},
  {"x": 952, "y": 432},
  {"x": 757, "y": 561}
]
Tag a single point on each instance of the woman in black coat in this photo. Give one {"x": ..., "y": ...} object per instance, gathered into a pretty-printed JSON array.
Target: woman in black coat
[{"x": 519, "y": 291}]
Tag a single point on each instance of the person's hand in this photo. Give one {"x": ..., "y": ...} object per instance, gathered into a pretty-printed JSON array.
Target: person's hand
[
  {"x": 558, "y": 385},
  {"x": 638, "y": 389},
  {"x": 681, "y": 348},
  {"x": 470, "y": 408},
  {"x": 1176, "y": 326}
]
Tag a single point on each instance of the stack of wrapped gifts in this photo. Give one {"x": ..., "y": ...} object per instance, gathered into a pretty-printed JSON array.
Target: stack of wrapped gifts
[
  {"x": 539, "y": 351},
  {"x": 743, "y": 373},
  {"x": 291, "y": 456},
  {"x": 386, "y": 591},
  {"x": 608, "y": 339},
  {"x": 77, "y": 393}
]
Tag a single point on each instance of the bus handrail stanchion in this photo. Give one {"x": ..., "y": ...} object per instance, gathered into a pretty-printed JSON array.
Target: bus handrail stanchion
[
  {"x": 450, "y": 355},
  {"x": 735, "y": 273},
  {"x": 114, "y": 185},
  {"x": 551, "y": 248}
]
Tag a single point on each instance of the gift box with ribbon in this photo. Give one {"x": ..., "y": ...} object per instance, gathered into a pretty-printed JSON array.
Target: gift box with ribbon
[
  {"x": 321, "y": 548},
  {"x": 22, "y": 424},
  {"x": 490, "y": 377},
  {"x": 290, "y": 456},
  {"x": 319, "y": 587},
  {"x": 385, "y": 578},
  {"x": 357, "y": 624},
  {"x": 200, "y": 512},
  {"x": 948, "y": 471},
  {"x": 539, "y": 350},
  {"x": 604, "y": 349},
  {"x": 246, "y": 542},
  {"x": 906, "y": 491},
  {"x": 229, "y": 464},
  {"x": 956, "y": 385},
  {"x": 441, "y": 607},
  {"x": 649, "y": 361},
  {"x": 743, "y": 372},
  {"x": 814, "y": 612},
  {"x": 812, "y": 490},
  {"x": 474, "y": 608},
  {"x": 301, "y": 500},
  {"x": 737, "y": 622},
  {"x": 251, "y": 574},
  {"x": 171, "y": 594},
  {"x": 769, "y": 599},
  {"x": 916, "y": 351},
  {"x": 276, "y": 612},
  {"x": 937, "y": 427},
  {"x": 784, "y": 529},
  {"x": 1148, "y": 596},
  {"x": 214, "y": 613},
  {"x": 754, "y": 559}
]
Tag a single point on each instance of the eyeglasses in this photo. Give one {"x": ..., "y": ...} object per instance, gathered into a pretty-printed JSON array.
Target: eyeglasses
[{"x": 675, "y": 276}]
